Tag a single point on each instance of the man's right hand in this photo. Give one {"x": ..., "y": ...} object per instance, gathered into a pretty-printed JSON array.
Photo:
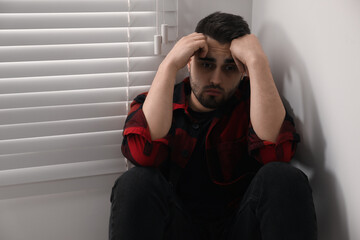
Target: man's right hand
[{"x": 184, "y": 49}]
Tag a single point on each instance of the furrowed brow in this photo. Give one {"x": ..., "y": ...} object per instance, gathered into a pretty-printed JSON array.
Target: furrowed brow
[
  {"x": 229, "y": 60},
  {"x": 208, "y": 59}
]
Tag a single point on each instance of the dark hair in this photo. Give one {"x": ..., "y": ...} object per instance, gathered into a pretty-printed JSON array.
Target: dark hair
[{"x": 223, "y": 27}]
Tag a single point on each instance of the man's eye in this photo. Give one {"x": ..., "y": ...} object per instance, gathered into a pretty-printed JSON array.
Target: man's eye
[
  {"x": 207, "y": 65},
  {"x": 230, "y": 68}
]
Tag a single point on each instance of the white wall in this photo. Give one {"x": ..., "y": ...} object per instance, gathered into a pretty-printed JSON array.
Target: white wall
[
  {"x": 190, "y": 12},
  {"x": 78, "y": 209},
  {"x": 314, "y": 52},
  {"x": 73, "y": 209}
]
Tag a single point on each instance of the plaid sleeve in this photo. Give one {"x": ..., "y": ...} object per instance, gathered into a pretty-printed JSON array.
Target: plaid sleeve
[
  {"x": 137, "y": 145},
  {"x": 281, "y": 151}
]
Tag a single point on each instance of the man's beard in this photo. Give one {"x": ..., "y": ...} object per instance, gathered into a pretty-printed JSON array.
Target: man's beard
[{"x": 208, "y": 101}]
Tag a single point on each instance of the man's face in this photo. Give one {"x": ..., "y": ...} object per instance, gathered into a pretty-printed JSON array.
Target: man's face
[{"x": 213, "y": 79}]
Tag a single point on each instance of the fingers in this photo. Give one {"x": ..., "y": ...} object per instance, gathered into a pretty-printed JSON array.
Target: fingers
[
  {"x": 199, "y": 44},
  {"x": 247, "y": 48},
  {"x": 196, "y": 35},
  {"x": 203, "y": 50},
  {"x": 240, "y": 65},
  {"x": 185, "y": 48}
]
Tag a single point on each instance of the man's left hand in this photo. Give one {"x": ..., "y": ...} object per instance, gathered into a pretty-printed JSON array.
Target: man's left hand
[{"x": 247, "y": 50}]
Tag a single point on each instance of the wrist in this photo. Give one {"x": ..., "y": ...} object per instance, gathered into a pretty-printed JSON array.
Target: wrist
[
  {"x": 167, "y": 63},
  {"x": 257, "y": 61},
  {"x": 167, "y": 68}
]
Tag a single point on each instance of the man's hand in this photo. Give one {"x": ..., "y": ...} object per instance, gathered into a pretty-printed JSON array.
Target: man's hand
[
  {"x": 247, "y": 50},
  {"x": 184, "y": 49}
]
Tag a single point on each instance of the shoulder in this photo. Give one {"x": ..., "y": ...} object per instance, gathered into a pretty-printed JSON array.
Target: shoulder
[{"x": 140, "y": 98}]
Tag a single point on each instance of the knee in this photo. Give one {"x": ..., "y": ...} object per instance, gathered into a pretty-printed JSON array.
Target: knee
[
  {"x": 283, "y": 177},
  {"x": 281, "y": 171},
  {"x": 139, "y": 175},
  {"x": 138, "y": 182}
]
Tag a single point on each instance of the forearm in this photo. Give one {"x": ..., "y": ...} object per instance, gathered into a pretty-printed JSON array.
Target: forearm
[
  {"x": 267, "y": 111},
  {"x": 157, "y": 107}
]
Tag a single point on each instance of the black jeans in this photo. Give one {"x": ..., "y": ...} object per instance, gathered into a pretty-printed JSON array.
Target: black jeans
[{"x": 277, "y": 205}]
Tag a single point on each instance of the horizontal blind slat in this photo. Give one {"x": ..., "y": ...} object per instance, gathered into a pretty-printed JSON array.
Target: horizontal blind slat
[
  {"x": 74, "y": 82},
  {"x": 57, "y": 128},
  {"x": 74, "y": 67},
  {"x": 134, "y": 91},
  {"x": 78, "y": 20},
  {"x": 74, "y": 51},
  {"x": 143, "y": 5},
  {"x": 29, "y": 145},
  {"x": 56, "y": 6},
  {"x": 62, "y": 20},
  {"x": 141, "y": 78},
  {"x": 144, "y": 63},
  {"x": 36, "y": 159},
  {"x": 62, "y": 67},
  {"x": 62, "y": 82},
  {"x": 60, "y": 172},
  {"x": 59, "y": 6},
  {"x": 26, "y": 100},
  {"x": 75, "y": 36},
  {"x": 141, "y": 49},
  {"x": 57, "y": 113},
  {"x": 62, "y": 52}
]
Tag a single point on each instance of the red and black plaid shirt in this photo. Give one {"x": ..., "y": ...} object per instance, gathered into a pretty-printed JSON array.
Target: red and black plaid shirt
[{"x": 233, "y": 150}]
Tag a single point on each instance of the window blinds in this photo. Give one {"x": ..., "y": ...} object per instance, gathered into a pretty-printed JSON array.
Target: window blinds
[{"x": 68, "y": 70}]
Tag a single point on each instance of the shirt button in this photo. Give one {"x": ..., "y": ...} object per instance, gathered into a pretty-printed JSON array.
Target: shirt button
[
  {"x": 195, "y": 126},
  {"x": 185, "y": 153}
]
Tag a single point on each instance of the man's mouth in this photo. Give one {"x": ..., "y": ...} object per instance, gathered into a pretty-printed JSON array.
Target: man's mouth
[{"x": 213, "y": 92}]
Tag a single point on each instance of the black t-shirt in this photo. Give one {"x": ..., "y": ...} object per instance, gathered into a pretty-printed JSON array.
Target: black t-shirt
[{"x": 202, "y": 198}]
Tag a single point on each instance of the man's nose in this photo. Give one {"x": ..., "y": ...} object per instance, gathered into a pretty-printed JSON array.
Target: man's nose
[{"x": 216, "y": 77}]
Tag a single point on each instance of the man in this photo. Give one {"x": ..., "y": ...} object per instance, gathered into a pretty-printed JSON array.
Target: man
[{"x": 212, "y": 153}]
